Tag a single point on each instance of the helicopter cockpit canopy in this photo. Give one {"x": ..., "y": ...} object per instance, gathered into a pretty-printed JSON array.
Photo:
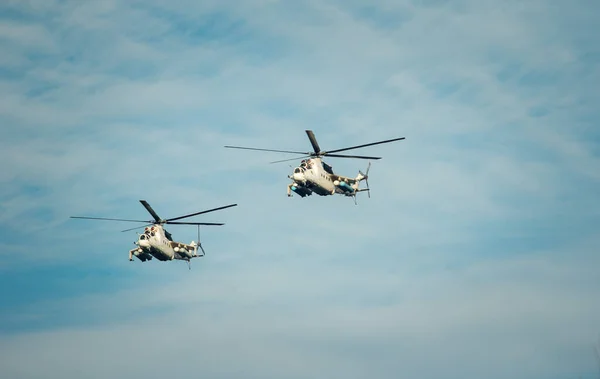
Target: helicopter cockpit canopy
[
  {"x": 148, "y": 232},
  {"x": 327, "y": 168}
]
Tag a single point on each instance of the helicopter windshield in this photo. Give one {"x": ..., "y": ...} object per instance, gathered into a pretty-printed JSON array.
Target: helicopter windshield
[{"x": 327, "y": 168}]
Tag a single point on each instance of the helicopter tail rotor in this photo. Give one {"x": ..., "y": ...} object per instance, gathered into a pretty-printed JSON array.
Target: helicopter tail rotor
[
  {"x": 365, "y": 177},
  {"x": 199, "y": 245},
  {"x": 196, "y": 244}
]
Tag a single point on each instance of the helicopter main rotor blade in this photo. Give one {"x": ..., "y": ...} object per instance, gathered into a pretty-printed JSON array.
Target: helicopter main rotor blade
[
  {"x": 150, "y": 210},
  {"x": 137, "y": 227},
  {"x": 108, "y": 219},
  {"x": 292, "y": 159},
  {"x": 365, "y": 145},
  {"x": 196, "y": 223},
  {"x": 349, "y": 156},
  {"x": 276, "y": 151},
  {"x": 198, "y": 213},
  {"x": 313, "y": 141}
]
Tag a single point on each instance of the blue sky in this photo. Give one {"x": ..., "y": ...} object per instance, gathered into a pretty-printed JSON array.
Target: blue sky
[{"x": 476, "y": 255}]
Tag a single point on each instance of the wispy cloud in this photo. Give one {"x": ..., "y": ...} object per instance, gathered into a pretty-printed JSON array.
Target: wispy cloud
[{"x": 473, "y": 257}]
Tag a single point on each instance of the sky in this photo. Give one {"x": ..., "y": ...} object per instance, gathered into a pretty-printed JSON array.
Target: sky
[{"x": 476, "y": 255}]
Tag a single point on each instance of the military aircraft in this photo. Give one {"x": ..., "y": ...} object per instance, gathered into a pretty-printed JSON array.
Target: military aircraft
[
  {"x": 314, "y": 175},
  {"x": 157, "y": 242}
]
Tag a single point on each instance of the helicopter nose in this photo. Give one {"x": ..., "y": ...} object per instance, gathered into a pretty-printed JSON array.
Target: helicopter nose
[{"x": 143, "y": 241}]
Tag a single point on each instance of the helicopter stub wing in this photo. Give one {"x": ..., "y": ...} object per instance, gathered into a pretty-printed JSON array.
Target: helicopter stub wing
[
  {"x": 139, "y": 254},
  {"x": 343, "y": 178},
  {"x": 183, "y": 250},
  {"x": 181, "y": 245}
]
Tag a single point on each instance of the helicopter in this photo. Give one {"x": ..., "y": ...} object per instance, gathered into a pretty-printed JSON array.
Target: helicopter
[
  {"x": 313, "y": 175},
  {"x": 157, "y": 242}
]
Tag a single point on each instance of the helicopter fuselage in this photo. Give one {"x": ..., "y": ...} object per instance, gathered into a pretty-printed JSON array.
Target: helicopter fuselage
[
  {"x": 314, "y": 175},
  {"x": 154, "y": 243}
]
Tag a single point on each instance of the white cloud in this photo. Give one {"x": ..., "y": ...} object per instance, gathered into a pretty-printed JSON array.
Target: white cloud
[{"x": 461, "y": 322}]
